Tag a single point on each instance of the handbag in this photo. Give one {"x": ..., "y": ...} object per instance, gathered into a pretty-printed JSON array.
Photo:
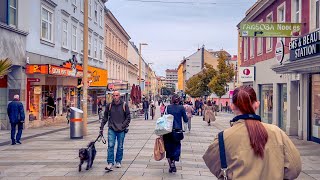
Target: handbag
[
  {"x": 164, "y": 124},
  {"x": 159, "y": 150}
]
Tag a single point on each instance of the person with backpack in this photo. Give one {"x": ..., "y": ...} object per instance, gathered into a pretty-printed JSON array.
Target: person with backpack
[
  {"x": 117, "y": 114},
  {"x": 250, "y": 149}
]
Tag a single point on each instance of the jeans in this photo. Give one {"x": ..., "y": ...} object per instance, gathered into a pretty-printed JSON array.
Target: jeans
[
  {"x": 112, "y": 136},
  {"x": 146, "y": 115},
  {"x": 15, "y": 137}
]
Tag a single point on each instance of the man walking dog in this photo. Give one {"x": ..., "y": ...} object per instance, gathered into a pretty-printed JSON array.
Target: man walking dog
[{"x": 117, "y": 114}]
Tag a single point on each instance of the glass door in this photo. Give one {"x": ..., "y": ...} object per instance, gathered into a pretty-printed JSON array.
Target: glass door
[
  {"x": 283, "y": 104},
  {"x": 315, "y": 108}
]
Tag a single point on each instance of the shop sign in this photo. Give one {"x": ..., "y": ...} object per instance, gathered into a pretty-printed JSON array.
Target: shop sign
[
  {"x": 37, "y": 90},
  {"x": 61, "y": 71},
  {"x": 114, "y": 87},
  {"x": 258, "y": 29},
  {"x": 279, "y": 52},
  {"x": 98, "y": 77},
  {"x": 306, "y": 46},
  {"x": 37, "y": 69},
  {"x": 246, "y": 74}
]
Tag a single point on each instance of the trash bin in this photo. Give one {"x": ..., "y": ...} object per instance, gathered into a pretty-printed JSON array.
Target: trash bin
[{"x": 76, "y": 123}]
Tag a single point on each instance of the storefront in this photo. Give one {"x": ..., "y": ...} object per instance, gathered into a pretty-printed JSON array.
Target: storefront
[
  {"x": 118, "y": 86},
  {"x": 98, "y": 80},
  {"x": 50, "y": 91},
  {"x": 305, "y": 61}
]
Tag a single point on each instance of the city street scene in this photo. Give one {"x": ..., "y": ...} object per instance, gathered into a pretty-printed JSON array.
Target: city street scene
[{"x": 160, "y": 89}]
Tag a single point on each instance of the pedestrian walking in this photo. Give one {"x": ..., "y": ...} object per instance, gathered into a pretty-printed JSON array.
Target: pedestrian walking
[
  {"x": 252, "y": 149},
  {"x": 162, "y": 109},
  {"x": 152, "y": 109},
  {"x": 197, "y": 106},
  {"x": 117, "y": 114},
  {"x": 204, "y": 111},
  {"x": 189, "y": 111},
  {"x": 16, "y": 116},
  {"x": 209, "y": 113},
  {"x": 172, "y": 141},
  {"x": 145, "y": 107}
]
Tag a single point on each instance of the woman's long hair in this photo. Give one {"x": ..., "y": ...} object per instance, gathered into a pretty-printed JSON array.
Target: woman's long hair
[{"x": 243, "y": 98}]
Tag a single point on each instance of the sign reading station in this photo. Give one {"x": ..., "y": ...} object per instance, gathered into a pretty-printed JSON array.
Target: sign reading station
[
  {"x": 305, "y": 46},
  {"x": 252, "y": 29}
]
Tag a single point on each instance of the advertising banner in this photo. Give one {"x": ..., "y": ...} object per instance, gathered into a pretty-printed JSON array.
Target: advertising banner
[{"x": 255, "y": 29}]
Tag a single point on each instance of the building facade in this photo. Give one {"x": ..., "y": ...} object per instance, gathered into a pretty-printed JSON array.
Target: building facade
[
  {"x": 287, "y": 91},
  {"x": 13, "y": 46},
  {"x": 133, "y": 58},
  {"x": 181, "y": 82},
  {"x": 171, "y": 78},
  {"x": 116, "y": 50}
]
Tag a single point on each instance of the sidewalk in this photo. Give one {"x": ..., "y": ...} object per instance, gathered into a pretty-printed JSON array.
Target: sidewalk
[{"x": 35, "y": 132}]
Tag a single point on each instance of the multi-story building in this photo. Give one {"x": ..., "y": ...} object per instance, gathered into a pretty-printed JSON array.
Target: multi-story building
[
  {"x": 116, "y": 49},
  {"x": 133, "y": 58},
  {"x": 13, "y": 46},
  {"x": 171, "y": 78},
  {"x": 54, "y": 54},
  {"x": 181, "y": 82},
  {"x": 288, "y": 91}
]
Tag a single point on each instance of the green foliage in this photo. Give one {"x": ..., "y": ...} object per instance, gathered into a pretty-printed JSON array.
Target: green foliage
[
  {"x": 225, "y": 74},
  {"x": 5, "y": 65}
]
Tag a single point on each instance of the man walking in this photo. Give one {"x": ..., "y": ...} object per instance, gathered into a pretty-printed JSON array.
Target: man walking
[
  {"x": 145, "y": 106},
  {"x": 16, "y": 115},
  {"x": 117, "y": 114}
]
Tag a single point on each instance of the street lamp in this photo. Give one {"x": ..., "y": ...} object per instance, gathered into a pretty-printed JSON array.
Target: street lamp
[{"x": 140, "y": 61}]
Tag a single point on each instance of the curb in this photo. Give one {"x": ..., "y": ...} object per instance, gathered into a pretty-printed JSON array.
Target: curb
[{"x": 42, "y": 134}]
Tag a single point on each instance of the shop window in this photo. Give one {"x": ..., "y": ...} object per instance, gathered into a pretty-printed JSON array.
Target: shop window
[
  {"x": 283, "y": 105},
  {"x": 266, "y": 99},
  {"x": 315, "y": 106}
]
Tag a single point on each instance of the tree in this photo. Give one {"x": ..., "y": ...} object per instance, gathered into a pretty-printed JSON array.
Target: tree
[
  {"x": 225, "y": 74},
  {"x": 5, "y": 65},
  {"x": 197, "y": 85}
]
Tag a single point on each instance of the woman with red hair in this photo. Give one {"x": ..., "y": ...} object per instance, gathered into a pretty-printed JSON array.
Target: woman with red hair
[{"x": 252, "y": 149}]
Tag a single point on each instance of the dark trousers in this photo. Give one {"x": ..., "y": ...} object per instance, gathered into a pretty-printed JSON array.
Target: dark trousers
[
  {"x": 172, "y": 147},
  {"x": 146, "y": 115},
  {"x": 15, "y": 137}
]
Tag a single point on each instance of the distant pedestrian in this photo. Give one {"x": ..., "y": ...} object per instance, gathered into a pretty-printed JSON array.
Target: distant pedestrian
[
  {"x": 145, "y": 106},
  {"x": 162, "y": 109},
  {"x": 204, "y": 110},
  {"x": 172, "y": 141},
  {"x": 189, "y": 111},
  {"x": 209, "y": 113},
  {"x": 253, "y": 149},
  {"x": 117, "y": 114},
  {"x": 152, "y": 109},
  {"x": 16, "y": 116},
  {"x": 197, "y": 106}
]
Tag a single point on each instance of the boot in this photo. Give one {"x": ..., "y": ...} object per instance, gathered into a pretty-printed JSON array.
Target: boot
[
  {"x": 173, "y": 166},
  {"x": 170, "y": 168}
]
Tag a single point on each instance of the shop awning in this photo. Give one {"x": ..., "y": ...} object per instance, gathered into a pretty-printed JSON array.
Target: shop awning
[{"x": 306, "y": 65}]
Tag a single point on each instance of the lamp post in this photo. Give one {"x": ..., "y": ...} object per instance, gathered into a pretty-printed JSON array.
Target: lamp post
[{"x": 140, "y": 61}]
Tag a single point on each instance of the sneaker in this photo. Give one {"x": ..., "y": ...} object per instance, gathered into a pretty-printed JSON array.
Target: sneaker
[
  {"x": 118, "y": 165},
  {"x": 109, "y": 167},
  {"x": 13, "y": 143}
]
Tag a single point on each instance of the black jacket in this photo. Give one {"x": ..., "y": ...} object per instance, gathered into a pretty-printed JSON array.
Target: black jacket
[
  {"x": 179, "y": 114},
  {"x": 117, "y": 119},
  {"x": 15, "y": 111},
  {"x": 145, "y": 105}
]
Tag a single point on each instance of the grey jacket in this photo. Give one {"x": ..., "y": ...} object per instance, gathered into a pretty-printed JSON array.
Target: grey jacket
[{"x": 117, "y": 118}]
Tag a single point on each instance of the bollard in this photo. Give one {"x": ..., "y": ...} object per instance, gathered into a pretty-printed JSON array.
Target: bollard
[{"x": 76, "y": 123}]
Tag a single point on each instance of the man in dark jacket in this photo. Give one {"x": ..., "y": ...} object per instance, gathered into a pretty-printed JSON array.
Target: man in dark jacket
[
  {"x": 145, "y": 106},
  {"x": 117, "y": 114},
  {"x": 16, "y": 115},
  {"x": 197, "y": 106}
]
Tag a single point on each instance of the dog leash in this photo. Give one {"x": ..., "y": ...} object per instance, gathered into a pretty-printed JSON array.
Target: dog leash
[{"x": 101, "y": 138}]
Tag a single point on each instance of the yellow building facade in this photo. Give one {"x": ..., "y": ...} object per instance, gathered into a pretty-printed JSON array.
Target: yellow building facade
[{"x": 180, "y": 78}]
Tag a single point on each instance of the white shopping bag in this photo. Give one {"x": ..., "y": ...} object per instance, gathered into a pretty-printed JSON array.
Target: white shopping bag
[{"x": 164, "y": 124}]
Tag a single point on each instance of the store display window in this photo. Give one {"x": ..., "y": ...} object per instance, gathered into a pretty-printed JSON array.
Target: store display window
[{"x": 266, "y": 100}]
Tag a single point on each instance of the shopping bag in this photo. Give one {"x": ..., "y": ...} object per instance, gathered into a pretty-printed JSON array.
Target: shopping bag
[
  {"x": 159, "y": 151},
  {"x": 164, "y": 125}
]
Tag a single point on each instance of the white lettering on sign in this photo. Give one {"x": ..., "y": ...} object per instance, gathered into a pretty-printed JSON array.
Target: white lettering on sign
[{"x": 306, "y": 51}]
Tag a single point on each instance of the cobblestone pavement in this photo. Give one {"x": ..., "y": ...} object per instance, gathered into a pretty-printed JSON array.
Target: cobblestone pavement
[{"x": 55, "y": 156}]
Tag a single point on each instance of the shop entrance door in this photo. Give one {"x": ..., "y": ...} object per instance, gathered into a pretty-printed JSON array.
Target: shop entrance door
[
  {"x": 315, "y": 108},
  {"x": 283, "y": 105}
]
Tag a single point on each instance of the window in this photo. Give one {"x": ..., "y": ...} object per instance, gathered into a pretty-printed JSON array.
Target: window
[
  {"x": 109, "y": 40},
  {"x": 64, "y": 34},
  {"x": 100, "y": 48},
  {"x": 252, "y": 44},
  {"x": 46, "y": 24},
  {"x": 81, "y": 5},
  {"x": 81, "y": 41},
  {"x": 95, "y": 48},
  {"x": 119, "y": 50},
  {"x": 89, "y": 8},
  {"x": 266, "y": 99},
  {"x": 74, "y": 38},
  {"x": 259, "y": 44},
  {"x": 317, "y": 14},
  {"x": 297, "y": 11},
  {"x": 245, "y": 49},
  {"x": 281, "y": 17},
  {"x": 101, "y": 16},
  {"x": 74, "y": 2},
  {"x": 89, "y": 45},
  {"x": 13, "y": 13},
  {"x": 95, "y": 12},
  {"x": 269, "y": 40}
]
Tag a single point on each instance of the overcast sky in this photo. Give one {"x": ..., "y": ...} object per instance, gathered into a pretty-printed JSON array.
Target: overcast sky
[{"x": 174, "y": 30}]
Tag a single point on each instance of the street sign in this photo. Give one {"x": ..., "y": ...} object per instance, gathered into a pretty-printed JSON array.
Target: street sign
[
  {"x": 247, "y": 74},
  {"x": 279, "y": 52},
  {"x": 255, "y": 29}
]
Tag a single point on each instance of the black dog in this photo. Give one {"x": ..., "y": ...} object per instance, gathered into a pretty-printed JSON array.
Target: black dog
[{"x": 87, "y": 154}]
